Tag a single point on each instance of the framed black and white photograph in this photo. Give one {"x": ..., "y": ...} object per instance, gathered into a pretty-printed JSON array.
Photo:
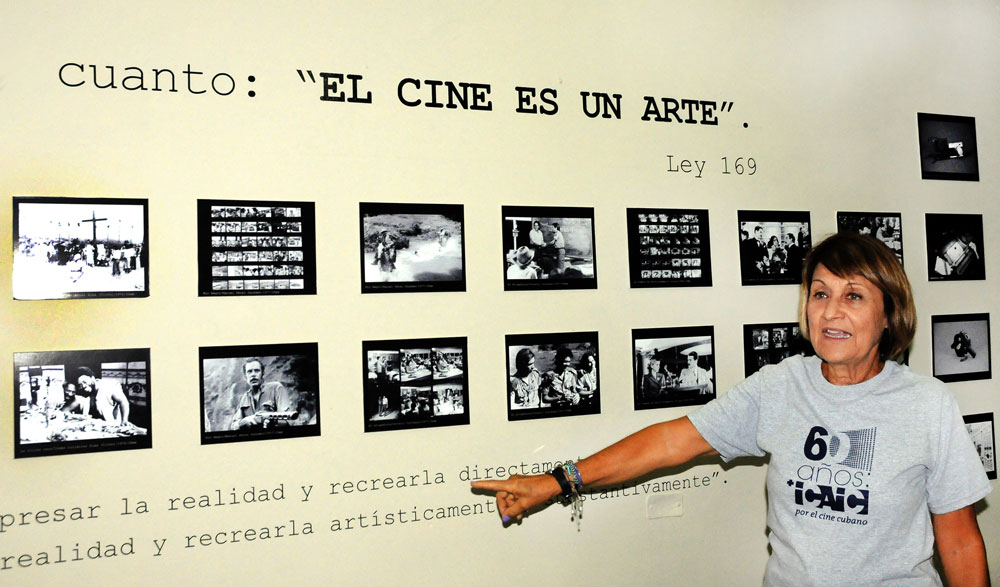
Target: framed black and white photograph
[
  {"x": 552, "y": 375},
  {"x": 668, "y": 248},
  {"x": 412, "y": 247},
  {"x": 256, "y": 247},
  {"x": 961, "y": 347},
  {"x": 415, "y": 383},
  {"x": 673, "y": 366},
  {"x": 980, "y": 427},
  {"x": 885, "y": 226},
  {"x": 69, "y": 402},
  {"x": 770, "y": 343},
  {"x": 548, "y": 247},
  {"x": 955, "y": 247},
  {"x": 80, "y": 248},
  {"x": 773, "y": 245},
  {"x": 948, "y": 147},
  {"x": 259, "y": 392}
]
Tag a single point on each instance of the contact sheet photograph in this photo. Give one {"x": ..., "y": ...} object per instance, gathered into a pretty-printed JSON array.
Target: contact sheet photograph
[
  {"x": 770, "y": 343},
  {"x": 948, "y": 147},
  {"x": 81, "y": 401},
  {"x": 955, "y": 247},
  {"x": 885, "y": 226},
  {"x": 980, "y": 427},
  {"x": 256, "y": 247},
  {"x": 412, "y": 247},
  {"x": 773, "y": 245},
  {"x": 673, "y": 366},
  {"x": 961, "y": 347},
  {"x": 668, "y": 247},
  {"x": 552, "y": 375},
  {"x": 259, "y": 392},
  {"x": 70, "y": 247},
  {"x": 415, "y": 383},
  {"x": 548, "y": 247}
]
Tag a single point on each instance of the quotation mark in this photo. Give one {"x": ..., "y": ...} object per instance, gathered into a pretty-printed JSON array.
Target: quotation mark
[{"x": 303, "y": 78}]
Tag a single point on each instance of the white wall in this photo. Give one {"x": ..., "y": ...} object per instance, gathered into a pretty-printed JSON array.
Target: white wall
[{"x": 829, "y": 92}]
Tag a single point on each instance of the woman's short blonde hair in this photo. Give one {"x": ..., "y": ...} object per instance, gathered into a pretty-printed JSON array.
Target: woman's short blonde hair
[{"x": 846, "y": 254}]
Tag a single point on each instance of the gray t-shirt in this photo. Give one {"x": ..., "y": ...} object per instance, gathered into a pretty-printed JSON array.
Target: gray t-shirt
[{"x": 855, "y": 470}]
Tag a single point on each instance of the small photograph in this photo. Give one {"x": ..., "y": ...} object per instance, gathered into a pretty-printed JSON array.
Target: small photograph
[
  {"x": 955, "y": 247},
  {"x": 552, "y": 375},
  {"x": 980, "y": 427},
  {"x": 258, "y": 241},
  {"x": 771, "y": 343},
  {"x": 70, "y": 402},
  {"x": 416, "y": 383},
  {"x": 412, "y": 247},
  {"x": 673, "y": 366},
  {"x": 885, "y": 226},
  {"x": 259, "y": 392},
  {"x": 961, "y": 346},
  {"x": 80, "y": 248},
  {"x": 948, "y": 147},
  {"x": 773, "y": 246},
  {"x": 668, "y": 248},
  {"x": 548, "y": 248}
]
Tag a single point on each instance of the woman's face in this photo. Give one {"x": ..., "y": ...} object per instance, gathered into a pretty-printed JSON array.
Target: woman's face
[{"x": 846, "y": 318}]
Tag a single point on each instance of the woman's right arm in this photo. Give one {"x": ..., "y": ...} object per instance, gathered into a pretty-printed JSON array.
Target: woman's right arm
[{"x": 666, "y": 444}]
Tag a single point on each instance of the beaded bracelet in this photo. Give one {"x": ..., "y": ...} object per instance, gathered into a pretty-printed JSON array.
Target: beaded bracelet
[{"x": 574, "y": 474}]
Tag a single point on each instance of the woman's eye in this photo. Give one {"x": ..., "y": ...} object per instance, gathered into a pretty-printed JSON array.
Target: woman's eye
[
  {"x": 854, "y": 296},
  {"x": 819, "y": 294}
]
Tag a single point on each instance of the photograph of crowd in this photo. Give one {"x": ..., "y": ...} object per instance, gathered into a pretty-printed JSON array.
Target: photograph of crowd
[
  {"x": 673, "y": 366},
  {"x": 415, "y": 383},
  {"x": 412, "y": 247},
  {"x": 259, "y": 392},
  {"x": 885, "y": 226},
  {"x": 980, "y": 427},
  {"x": 771, "y": 343},
  {"x": 955, "y": 247},
  {"x": 772, "y": 246},
  {"x": 961, "y": 347},
  {"x": 69, "y": 402},
  {"x": 256, "y": 248},
  {"x": 552, "y": 375},
  {"x": 948, "y": 147},
  {"x": 80, "y": 248},
  {"x": 548, "y": 248},
  {"x": 668, "y": 248}
]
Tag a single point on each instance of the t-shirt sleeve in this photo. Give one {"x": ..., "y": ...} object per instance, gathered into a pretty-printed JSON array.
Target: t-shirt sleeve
[
  {"x": 957, "y": 477},
  {"x": 730, "y": 422}
]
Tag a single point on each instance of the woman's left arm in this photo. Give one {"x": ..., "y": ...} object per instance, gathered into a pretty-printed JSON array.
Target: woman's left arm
[{"x": 960, "y": 544}]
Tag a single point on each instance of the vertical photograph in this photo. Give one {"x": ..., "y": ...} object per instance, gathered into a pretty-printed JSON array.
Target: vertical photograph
[
  {"x": 980, "y": 427},
  {"x": 259, "y": 392},
  {"x": 70, "y": 402},
  {"x": 955, "y": 247},
  {"x": 885, "y": 226},
  {"x": 668, "y": 248},
  {"x": 673, "y": 366},
  {"x": 412, "y": 247},
  {"x": 547, "y": 247},
  {"x": 415, "y": 383},
  {"x": 256, "y": 247},
  {"x": 948, "y": 147},
  {"x": 961, "y": 347},
  {"x": 773, "y": 245},
  {"x": 552, "y": 375},
  {"x": 80, "y": 248},
  {"x": 771, "y": 343}
]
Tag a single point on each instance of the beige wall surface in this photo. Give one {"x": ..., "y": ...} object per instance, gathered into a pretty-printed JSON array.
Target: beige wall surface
[{"x": 824, "y": 99}]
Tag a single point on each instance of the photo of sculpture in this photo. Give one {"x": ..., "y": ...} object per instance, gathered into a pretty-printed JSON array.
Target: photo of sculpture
[
  {"x": 961, "y": 345},
  {"x": 673, "y": 366},
  {"x": 552, "y": 375},
  {"x": 955, "y": 247},
  {"x": 772, "y": 246},
  {"x": 948, "y": 147},
  {"x": 885, "y": 226},
  {"x": 548, "y": 248},
  {"x": 412, "y": 247},
  {"x": 257, "y": 392},
  {"x": 70, "y": 402},
  {"x": 80, "y": 248}
]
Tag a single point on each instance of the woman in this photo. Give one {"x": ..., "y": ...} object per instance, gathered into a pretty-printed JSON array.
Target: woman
[
  {"x": 524, "y": 384},
  {"x": 586, "y": 382},
  {"x": 870, "y": 464}
]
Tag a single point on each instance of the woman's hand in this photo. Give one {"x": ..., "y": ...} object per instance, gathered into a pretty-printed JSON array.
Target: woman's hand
[{"x": 520, "y": 493}]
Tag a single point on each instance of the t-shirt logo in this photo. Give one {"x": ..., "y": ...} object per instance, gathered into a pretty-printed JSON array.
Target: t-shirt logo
[{"x": 834, "y": 476}]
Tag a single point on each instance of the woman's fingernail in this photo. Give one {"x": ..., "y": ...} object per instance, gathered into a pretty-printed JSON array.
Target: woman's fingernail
[{"x": 506, "y": 518}]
